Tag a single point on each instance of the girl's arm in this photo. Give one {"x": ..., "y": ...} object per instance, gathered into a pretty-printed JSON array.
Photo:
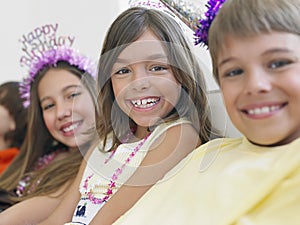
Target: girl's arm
[
  {"x": 63, "y": 213},
  {"x": 32, "y": 210},
  {"x": 167, "y": 151}
]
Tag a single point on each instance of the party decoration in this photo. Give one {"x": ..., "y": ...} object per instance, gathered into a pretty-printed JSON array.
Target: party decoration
[
  {"x": 201, "y": 32},
  {"x": 187, "y": 10},
  {"x": 42, "y": 47},
  {"x": 155, "y": 4},
  {"x": 41, "y": 39}
]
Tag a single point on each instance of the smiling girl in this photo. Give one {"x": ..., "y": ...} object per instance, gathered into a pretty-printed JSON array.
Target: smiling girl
[
  {"x": 153, "y": 113},
  {"x": 61, "y": 95}
]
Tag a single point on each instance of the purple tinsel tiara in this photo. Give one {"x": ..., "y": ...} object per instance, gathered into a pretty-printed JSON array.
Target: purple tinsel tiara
[
  {"x": 51, "y": 57},
  {"x": 201, "y": 33}
]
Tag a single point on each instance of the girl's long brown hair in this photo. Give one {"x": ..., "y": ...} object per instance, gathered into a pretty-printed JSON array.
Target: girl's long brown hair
[
  {"x": 39, "y": 142},
  {"x": 127, "y": 28}
]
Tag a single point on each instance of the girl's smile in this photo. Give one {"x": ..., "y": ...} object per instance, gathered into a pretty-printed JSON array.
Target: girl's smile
[
  {"x": 143, "y": 82},
  {"x": 67, "y": 107},
  {"x": 71, "y": 128},
  {"x": 145, "y": 103}
]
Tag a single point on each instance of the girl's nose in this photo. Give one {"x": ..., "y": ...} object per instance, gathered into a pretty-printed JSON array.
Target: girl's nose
[
  {"x": 64, "y": 110},
  {"x": 141, "y": 81}
]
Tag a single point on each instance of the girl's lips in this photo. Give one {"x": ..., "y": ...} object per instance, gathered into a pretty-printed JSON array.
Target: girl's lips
[
  {"x": 145, "y": 103},
  {"x": 70, "y": 127}
]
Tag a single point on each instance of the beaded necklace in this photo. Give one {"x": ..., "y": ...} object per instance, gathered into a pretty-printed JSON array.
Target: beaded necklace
[
  {"x": 42, "y": 163},
  {"x": 112, "y": 183}
]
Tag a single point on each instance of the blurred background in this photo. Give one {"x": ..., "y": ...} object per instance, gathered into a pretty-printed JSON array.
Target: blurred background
[{"x": 88, "y": 22}]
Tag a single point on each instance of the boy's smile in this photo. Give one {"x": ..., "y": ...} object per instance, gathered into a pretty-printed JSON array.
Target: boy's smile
[{"x": 260, "y": 81}]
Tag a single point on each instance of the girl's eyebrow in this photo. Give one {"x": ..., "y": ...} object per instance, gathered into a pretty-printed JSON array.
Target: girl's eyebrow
[
  {"x": 149, "y": 57},
  {"x": 63, "y": 90}
]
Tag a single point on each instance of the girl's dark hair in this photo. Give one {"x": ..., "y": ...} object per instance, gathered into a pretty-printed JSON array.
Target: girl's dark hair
[{"x": 11, "y": 100}]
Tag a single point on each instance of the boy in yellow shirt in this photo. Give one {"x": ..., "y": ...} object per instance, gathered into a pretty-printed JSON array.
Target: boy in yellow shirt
[{"x": 255, "y": 50}]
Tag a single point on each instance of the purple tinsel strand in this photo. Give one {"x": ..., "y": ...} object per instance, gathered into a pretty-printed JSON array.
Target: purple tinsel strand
[
  {"x": 201, "y": 33},
  {"x": 51, "y": 57}
]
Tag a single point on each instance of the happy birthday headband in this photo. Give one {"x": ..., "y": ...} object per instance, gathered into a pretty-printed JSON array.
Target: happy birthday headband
[
  {"x": 201, "y": 32},
  {"x": 42, "y": 48}
]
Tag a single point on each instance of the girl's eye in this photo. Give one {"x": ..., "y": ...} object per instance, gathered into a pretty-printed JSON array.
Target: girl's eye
[
  {"x": 74, "y": 95},
  {"x": 122, "y": 71},
  {"x": 47, "y": 106},
  {"x": 233, "y": 73},
  {"x": 158, "y": 68},
  {"x": 279, "y": 63}
]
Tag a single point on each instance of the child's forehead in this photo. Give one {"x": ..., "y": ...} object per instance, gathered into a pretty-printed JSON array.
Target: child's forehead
[
  {"x": 143, "y": 50},
  {"x": 259, "y": 42}
]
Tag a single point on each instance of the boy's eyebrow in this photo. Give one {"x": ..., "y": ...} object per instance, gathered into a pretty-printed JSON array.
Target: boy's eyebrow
[
  {"x": 63, "y": 90},
  {"x": 276, "y": 50},
  {"x": 225, "y": 61},
  {"x": 270, "y": 51}
]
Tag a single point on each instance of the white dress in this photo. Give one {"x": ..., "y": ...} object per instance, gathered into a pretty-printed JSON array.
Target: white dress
[{"x": 101, "y": 167}]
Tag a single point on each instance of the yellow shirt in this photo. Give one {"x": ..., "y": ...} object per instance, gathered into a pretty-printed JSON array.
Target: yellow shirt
[{"x": 226, "y": 182}]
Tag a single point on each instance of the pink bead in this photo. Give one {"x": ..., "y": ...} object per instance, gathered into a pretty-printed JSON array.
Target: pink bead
[{"x": 115, "y": 175}]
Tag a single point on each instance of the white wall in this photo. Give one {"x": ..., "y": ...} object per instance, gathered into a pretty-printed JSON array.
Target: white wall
[{"x": 87, "y": 20}]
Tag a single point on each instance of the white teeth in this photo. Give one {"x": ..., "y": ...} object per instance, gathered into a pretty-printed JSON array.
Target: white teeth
[
  {"x": 144, "y": 103},
  {"x": 138, "y": 102},
  {"x": 72, "y": 127},
  {"x": 263, "y": 110}
]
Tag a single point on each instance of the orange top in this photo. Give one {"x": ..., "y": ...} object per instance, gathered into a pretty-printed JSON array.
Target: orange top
[{"x": 6, "y": 156}]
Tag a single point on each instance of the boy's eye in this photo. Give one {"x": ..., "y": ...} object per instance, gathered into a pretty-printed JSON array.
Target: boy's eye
[{"x": 279, "y": 63}]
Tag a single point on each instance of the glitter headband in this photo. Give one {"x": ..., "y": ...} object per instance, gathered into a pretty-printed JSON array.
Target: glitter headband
[
  {"x": 201, "y": 32},
  {"x": 183, "y": 12},
  {"x": 186, "y": 10},
  {"x": 40, "y": 59},
  {"x": 147, "y": 4}
]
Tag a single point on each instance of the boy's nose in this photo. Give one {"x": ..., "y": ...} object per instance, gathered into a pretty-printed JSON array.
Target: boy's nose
[{"x": 257, "y": 82}]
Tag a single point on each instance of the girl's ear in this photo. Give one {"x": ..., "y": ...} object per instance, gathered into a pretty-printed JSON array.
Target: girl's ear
[{"x": 12, "y": 125}]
